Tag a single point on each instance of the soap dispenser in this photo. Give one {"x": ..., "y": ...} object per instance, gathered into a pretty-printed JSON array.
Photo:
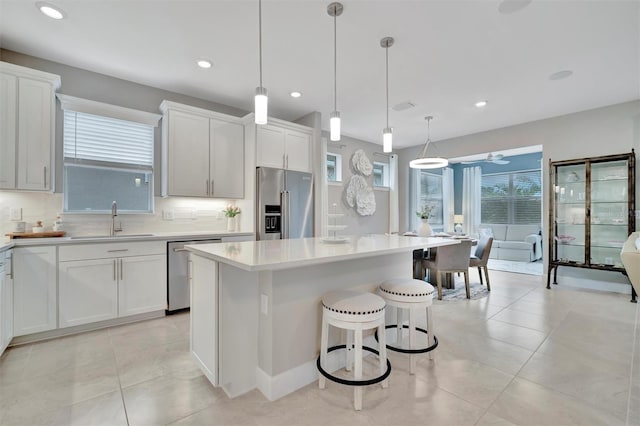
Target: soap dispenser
[{"x": 57, "y": 224}]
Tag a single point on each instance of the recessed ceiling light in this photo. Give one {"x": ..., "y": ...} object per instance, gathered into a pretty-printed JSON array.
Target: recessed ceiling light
[
  {"x": 204, "y": 63},
  {"x": 50, "y": 10},
  {"x": 295, "y": 94},
  {"x": 481, "y": 104},
  {"x": 560, "y": 75},
  {"x": 512, "y": 6}
]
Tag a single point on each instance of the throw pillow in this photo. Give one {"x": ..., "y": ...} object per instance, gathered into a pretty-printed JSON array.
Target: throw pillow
[{"x": 485, "y": 232}]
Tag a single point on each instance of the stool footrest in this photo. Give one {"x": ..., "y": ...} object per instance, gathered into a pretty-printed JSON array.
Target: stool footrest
[
  {"x": 354, "y": 382},
  {"x": 410, "y": 351}
]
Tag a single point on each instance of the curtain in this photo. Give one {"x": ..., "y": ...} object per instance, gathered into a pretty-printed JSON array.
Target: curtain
[
  {"x": 471, "y": 196},
  {"x": 394, "y": 207},
  {"x": 447, "y": 199}
]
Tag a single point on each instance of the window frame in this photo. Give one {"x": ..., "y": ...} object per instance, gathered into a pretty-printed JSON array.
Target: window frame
[
  {"x": 338, "y": 168},
  {"x": 75, "y": 105},
  {"x": 417, "y": 204},
  {"x": 385, "y": 175}
]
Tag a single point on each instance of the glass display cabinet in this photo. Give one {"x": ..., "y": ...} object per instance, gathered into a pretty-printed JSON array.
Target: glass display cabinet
[{"x": 592, "y": 212}]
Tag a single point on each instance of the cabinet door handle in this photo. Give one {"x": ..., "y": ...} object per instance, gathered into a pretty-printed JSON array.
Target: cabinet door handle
[
  {"x": 114, "y": 269},
  {"x": 121, "y": 271},
  {"x": 115, "y": 251},
  {"x": 284, "y": 165},
  {"x": 287, "y": 161},
  {"x": 189, "y": 266},
  {"x": 45, "y": 177},
  {"x": 207, "y": 187},
  {"x": 212, "y": 187},
  {"x": 11, "y": 266}
]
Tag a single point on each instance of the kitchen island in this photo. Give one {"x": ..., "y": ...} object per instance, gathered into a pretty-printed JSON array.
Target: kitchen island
[{"x": 255, "y": 305}]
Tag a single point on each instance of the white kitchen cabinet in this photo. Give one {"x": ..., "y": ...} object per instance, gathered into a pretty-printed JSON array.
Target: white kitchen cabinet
[
  {"x": 34, "y": 289},
  {"x": 283, "y": 145},
  {"x": 104, "y": 281},
  {"x": 6, "y": 301},
  {"x": 8, "y": 102},
  {"x": 88, "y": 291},
  {"x": 204, "y": 315},
  {"x": 27, "y": 131},
  {"x": 142, "y": 284},
  {"x": 203, "y": 153}
]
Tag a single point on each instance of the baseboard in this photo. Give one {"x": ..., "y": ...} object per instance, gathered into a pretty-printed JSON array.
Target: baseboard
[
  {"x": 275, "y": 387},
  {"x": 67, "y": 331}
]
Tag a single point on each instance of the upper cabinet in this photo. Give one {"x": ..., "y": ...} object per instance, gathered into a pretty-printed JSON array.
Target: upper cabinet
[
  {"x": 27, "y": 127},
  {"x": 202, "y": 153},
  {"x": 283, "y": 145}
]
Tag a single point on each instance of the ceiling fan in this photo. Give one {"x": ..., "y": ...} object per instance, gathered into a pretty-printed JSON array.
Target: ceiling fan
[{"x": 491, "y": 158}]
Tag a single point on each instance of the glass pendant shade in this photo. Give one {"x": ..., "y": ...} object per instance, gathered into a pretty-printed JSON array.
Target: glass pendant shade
[
  {"x": 261, "y": 105},
  {"x": 334, "y": 126},
  {"x": 387, "y": 140}
]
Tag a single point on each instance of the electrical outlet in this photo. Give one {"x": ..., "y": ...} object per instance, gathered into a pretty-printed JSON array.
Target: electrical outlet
[
  {"x": 264, "y": 304},
  {"x": 168, "y": 214},
  {"x": 15, "y": 213},
  {"x": 637, "y": 214}
]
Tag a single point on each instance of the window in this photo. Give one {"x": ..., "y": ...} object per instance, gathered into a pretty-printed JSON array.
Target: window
[
  {"x": 105, "y": 160},
  {"x": 380, "y": 175},
  {"x": 429, "y": 193},
  {"x": 334, "y": 167},
  {"x": 512, "y": 198}
]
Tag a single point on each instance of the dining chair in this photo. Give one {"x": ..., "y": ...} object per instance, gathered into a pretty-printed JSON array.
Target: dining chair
[
  {"x": 450, "y": 259},
  {"x": 481, "y": 257}
]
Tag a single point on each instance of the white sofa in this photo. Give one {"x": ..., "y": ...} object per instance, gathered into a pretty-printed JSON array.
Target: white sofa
[
  {"x": 514, "y": 242},
  {"x": 631, "y": 260}
]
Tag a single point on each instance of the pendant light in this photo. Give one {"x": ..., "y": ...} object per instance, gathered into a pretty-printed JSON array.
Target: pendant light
[
  {"x": 387, "y": 133},
  {"x": 335, "y": 10},
  {"x": 261, "y": 99},
  {"x": 424, "y": 162}
]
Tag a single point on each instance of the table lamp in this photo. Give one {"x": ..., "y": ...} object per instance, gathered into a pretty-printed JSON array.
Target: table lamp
[{"x": 458, "y": 220}]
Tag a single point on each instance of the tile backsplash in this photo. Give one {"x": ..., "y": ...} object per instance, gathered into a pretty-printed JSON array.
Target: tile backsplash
[{"x": 172, "y": 214}]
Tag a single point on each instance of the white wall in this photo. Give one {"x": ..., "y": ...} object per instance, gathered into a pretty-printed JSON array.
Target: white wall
[
  {"x": 378, "y": 223},
  {"x": 603, "y": 131}
]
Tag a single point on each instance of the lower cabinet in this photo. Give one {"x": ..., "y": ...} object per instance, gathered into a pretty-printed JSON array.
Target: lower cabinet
[
  {"x": 88, "y": 291},
  {"x": 6, "y": 301},
  {"x": 34, "y": 289},
  {"x": 101, "y": 289},
  {"x": 142, "y": 284}
]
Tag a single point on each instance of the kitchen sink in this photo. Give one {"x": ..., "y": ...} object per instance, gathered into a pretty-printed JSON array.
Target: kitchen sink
[{"x": 96, "y": 237}]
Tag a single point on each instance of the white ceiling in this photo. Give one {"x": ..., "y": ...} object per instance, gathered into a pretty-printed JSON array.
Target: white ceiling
[{"x": 447, "y": 55}]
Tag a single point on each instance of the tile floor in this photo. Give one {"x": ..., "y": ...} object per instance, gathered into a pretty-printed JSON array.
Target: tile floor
[{"x": 523, "y": 355}]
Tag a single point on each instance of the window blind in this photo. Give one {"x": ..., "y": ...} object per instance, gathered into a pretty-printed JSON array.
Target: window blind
[
  {"x": 514, "y": 197},
  {"x": 92, "y": 137}
]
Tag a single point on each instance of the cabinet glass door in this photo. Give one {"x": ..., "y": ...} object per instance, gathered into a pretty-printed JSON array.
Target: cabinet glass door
[
  {"x": 570, "y": 201},
  {"x": 609, "y": 211}
]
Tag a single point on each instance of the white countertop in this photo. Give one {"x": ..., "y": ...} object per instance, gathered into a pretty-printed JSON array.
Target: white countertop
[
  {"x": 166, "y": 236},
  {"x": 294, "y": 253}
]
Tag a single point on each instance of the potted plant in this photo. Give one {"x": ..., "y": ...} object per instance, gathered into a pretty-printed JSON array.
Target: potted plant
[
  {"x": 425, "y": 229},
  {"x": 232, "y": 221}
]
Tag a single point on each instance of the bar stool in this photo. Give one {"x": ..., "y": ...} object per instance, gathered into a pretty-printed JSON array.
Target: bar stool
[
  {"x": 354, "y": 312},
  {"x": 411, "y": 294}
]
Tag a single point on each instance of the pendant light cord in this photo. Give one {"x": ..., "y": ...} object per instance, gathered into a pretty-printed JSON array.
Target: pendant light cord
[
  {"x": 387, "y": 82},
  {"x": 335, "y": 60},
  {"x": 260, "y": 36}
]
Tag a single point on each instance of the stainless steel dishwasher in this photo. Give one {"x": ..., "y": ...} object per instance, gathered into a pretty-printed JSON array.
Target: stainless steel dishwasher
[{"x": 178, "y": 287}]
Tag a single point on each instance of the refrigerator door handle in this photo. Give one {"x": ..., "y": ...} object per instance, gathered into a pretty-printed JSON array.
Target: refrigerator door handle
[{"x": 284, "y": 203}]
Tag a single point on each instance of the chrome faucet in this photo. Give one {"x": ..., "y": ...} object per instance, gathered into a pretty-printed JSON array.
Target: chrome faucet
[{"x": 114, "y": 213}]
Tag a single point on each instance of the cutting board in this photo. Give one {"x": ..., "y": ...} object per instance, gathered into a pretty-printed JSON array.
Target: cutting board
[{"x": 48, "y": 234}]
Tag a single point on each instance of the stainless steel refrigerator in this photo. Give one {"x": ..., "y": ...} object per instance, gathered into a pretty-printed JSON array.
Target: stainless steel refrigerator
[{"x": 285, "y": 204}]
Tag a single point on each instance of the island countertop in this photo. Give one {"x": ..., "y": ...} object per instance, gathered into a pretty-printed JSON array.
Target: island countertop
[{"x": 294, "y": 253}]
